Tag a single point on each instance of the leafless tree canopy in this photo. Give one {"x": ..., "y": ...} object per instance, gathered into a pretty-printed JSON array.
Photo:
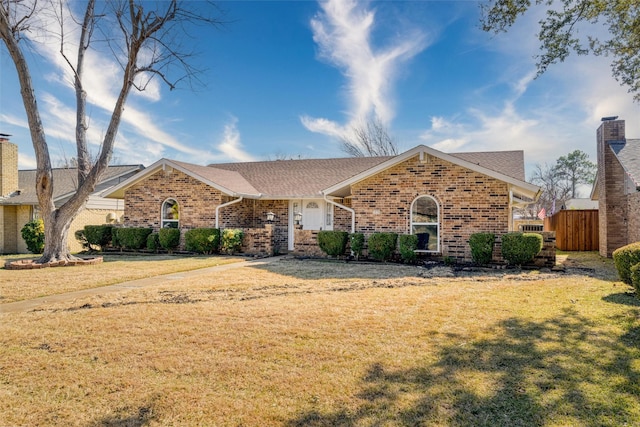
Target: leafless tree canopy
[
  {"x": 370, "y": 139},
  {"x": 146, "y": 38}
]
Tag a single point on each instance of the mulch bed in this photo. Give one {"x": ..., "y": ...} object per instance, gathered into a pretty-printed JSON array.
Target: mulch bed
[{"x": 31, "y": 264}]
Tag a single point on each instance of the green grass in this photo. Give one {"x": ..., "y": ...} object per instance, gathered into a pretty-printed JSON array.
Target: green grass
[{"x": 323, "y": 344}]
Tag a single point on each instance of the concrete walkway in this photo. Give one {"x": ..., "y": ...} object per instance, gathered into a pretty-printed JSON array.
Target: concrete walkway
[{"x": 32, "y": 304}]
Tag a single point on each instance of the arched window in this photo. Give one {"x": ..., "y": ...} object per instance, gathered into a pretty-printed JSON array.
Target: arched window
[
  {"x": 170, "y": 214},
  {"x": 425, "y": 220}
]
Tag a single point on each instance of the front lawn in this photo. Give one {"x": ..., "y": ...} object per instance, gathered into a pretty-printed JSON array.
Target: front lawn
[
  {"x": 322, "y": 344},
  {"x": 16, "y": 285}
]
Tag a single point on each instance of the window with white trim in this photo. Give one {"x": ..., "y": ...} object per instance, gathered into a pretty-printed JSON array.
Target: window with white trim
[
  {"x": 329, "y": 215},
  {"x": 425, "y": 220},
  {"x": 170, "y": 214}
]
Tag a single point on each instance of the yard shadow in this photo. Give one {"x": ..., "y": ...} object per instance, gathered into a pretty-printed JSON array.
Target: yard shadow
[
  {"x": 624, "y": 298},
  {"x": 128, "y": 417},
  {"x": 529, "y": 374}
]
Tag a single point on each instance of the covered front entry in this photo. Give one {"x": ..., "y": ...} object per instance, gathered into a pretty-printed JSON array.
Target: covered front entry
[{"x": 311, "y": 214}]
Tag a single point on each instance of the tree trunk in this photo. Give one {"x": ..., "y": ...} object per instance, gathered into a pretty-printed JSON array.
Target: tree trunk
[{"x": 56, "y": 232}]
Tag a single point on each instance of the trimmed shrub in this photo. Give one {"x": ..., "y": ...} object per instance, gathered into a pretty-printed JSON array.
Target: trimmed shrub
[
  {"x": 357, "y": 244},
  {"x": 624, "y": 258},
  {"x": 482, "y": 247},
  {"x": 98, "y": 235},
  {"x": 520, "y": 248},
  {"x": 33, "y": 235},
  {"x": 635, "y": 277},
  {"x": 133, "y": 238},
  {"x": 382, "y": 245},
  {"x": 169, "y": 238},
  {"x": 79, "y": 235},
  {"x": 202, "y": 240},
  {"x": 407, "y": 244},
  {"x": 333, "y": 243},
  {"x": 153, "y": 242},
  {"x": 231, "y": 240}
]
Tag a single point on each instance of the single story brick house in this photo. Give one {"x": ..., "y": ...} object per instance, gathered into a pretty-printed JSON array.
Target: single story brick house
[
  {"x": 19, "y": 201},
  {"x": 282, "y": 204},
  {"x": 617, "y": 186}
]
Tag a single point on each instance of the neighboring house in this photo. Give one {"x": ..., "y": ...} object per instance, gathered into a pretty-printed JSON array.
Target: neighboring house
[
  {"x": 443, "y": 198},
  {"x": 617, "y": 186},
  {"x": 19, "y": 202}
]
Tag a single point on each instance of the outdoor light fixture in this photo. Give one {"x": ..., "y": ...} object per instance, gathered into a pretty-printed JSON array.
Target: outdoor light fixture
[
  {"x": 270, "y": 216},
  {"x": 297, "y": 217}
]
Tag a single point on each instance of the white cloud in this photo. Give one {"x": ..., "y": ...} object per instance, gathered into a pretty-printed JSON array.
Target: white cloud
[
  {"x": 230, "y": 146},
  {"x": 343, "y": 31}
]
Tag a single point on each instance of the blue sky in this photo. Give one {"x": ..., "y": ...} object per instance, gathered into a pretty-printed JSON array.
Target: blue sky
[{"x": 286, "y": 78}]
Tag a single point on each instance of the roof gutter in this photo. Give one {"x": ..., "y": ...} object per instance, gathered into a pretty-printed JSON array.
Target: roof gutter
[
  {"x": 224, "y": 205},
  {"x": 353, "y": 212}
]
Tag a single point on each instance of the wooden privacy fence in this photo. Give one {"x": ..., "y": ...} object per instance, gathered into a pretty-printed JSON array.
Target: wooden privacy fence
[{"x": 576, "y": 230}]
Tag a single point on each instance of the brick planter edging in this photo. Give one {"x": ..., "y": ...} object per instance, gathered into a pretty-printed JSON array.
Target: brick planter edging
[{"x": 31, "y": 264}]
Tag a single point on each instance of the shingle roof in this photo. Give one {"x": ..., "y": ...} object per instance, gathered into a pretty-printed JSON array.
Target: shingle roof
[
  {"x": 289, "y": 179},
  {"x": 226, "y": 178},
  {"x": 307, "y": 177},
  {"x": 628, "y": 153},
  {"x": 65, "y": 182},
  {"x": 510, "y": 163},
  {"x": 297, "y": 178}
]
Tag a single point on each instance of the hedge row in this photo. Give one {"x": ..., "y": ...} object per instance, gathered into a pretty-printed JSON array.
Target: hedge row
[
  {"x": 517, "y": 248},
  {"x": 381, "y": 245},
  {"x": 199, "y": 240}
]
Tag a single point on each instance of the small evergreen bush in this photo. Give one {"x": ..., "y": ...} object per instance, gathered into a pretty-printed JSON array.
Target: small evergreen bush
[
  {"x": 520, "y": 248},
  {"x": 98, "y": 235},
  {"x": 202, "y": 240},
  {"x": 153, "y": 242},
  {"x": 333, "y": 243},
  {"x": 231, "y": 240},
  {"x": 407, "y": 245},
  {"x": 357, "y": 244},
  {"x": 382, "y": 245},
  {"x": 33, "y": 235},
  {"x": 133, "y": 238},
  {"x": 79, "y": 235},
  {"x": 169, "y": 238},
  {"x": 635, "y": 277},
  {"x": 624, "y": 258},
  {"x": 482, "y": 247}
]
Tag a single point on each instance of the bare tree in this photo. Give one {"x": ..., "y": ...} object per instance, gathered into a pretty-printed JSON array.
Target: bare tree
[
  {"x": 143, "y": 36},
  {"x": 555, "y": 190},
  {"x": 370, "y": 139}
]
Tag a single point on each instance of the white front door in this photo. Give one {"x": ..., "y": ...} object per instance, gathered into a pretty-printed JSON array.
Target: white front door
[
  {"x": 312, "y": 214},
  {"x": 316, "y": 215}
]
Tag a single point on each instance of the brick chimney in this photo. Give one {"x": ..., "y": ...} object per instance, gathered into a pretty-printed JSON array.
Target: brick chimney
[
  {"x": 8, "y": 166},
  {"x": 612, "y": 204}
]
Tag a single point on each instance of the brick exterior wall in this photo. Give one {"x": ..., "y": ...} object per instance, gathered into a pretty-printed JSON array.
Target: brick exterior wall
[
  {"x": 8, "y": 167},
  {"x": 469, "y": 202},
  {"x": 633, "y": 208},
  {"x": 306, "y": 243},
  {"x": 197, "y": 201},
  {"x": 612, "y": 204}
]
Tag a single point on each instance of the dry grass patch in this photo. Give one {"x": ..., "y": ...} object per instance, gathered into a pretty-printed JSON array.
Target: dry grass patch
[
  {"x": 16, "y": 285},
  {"x": 291, "y": 344}
]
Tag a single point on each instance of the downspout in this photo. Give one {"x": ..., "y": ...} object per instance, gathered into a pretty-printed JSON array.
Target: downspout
[
  {"x": 224, "y": 205},
  {"x": 353, "y": 212}
]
